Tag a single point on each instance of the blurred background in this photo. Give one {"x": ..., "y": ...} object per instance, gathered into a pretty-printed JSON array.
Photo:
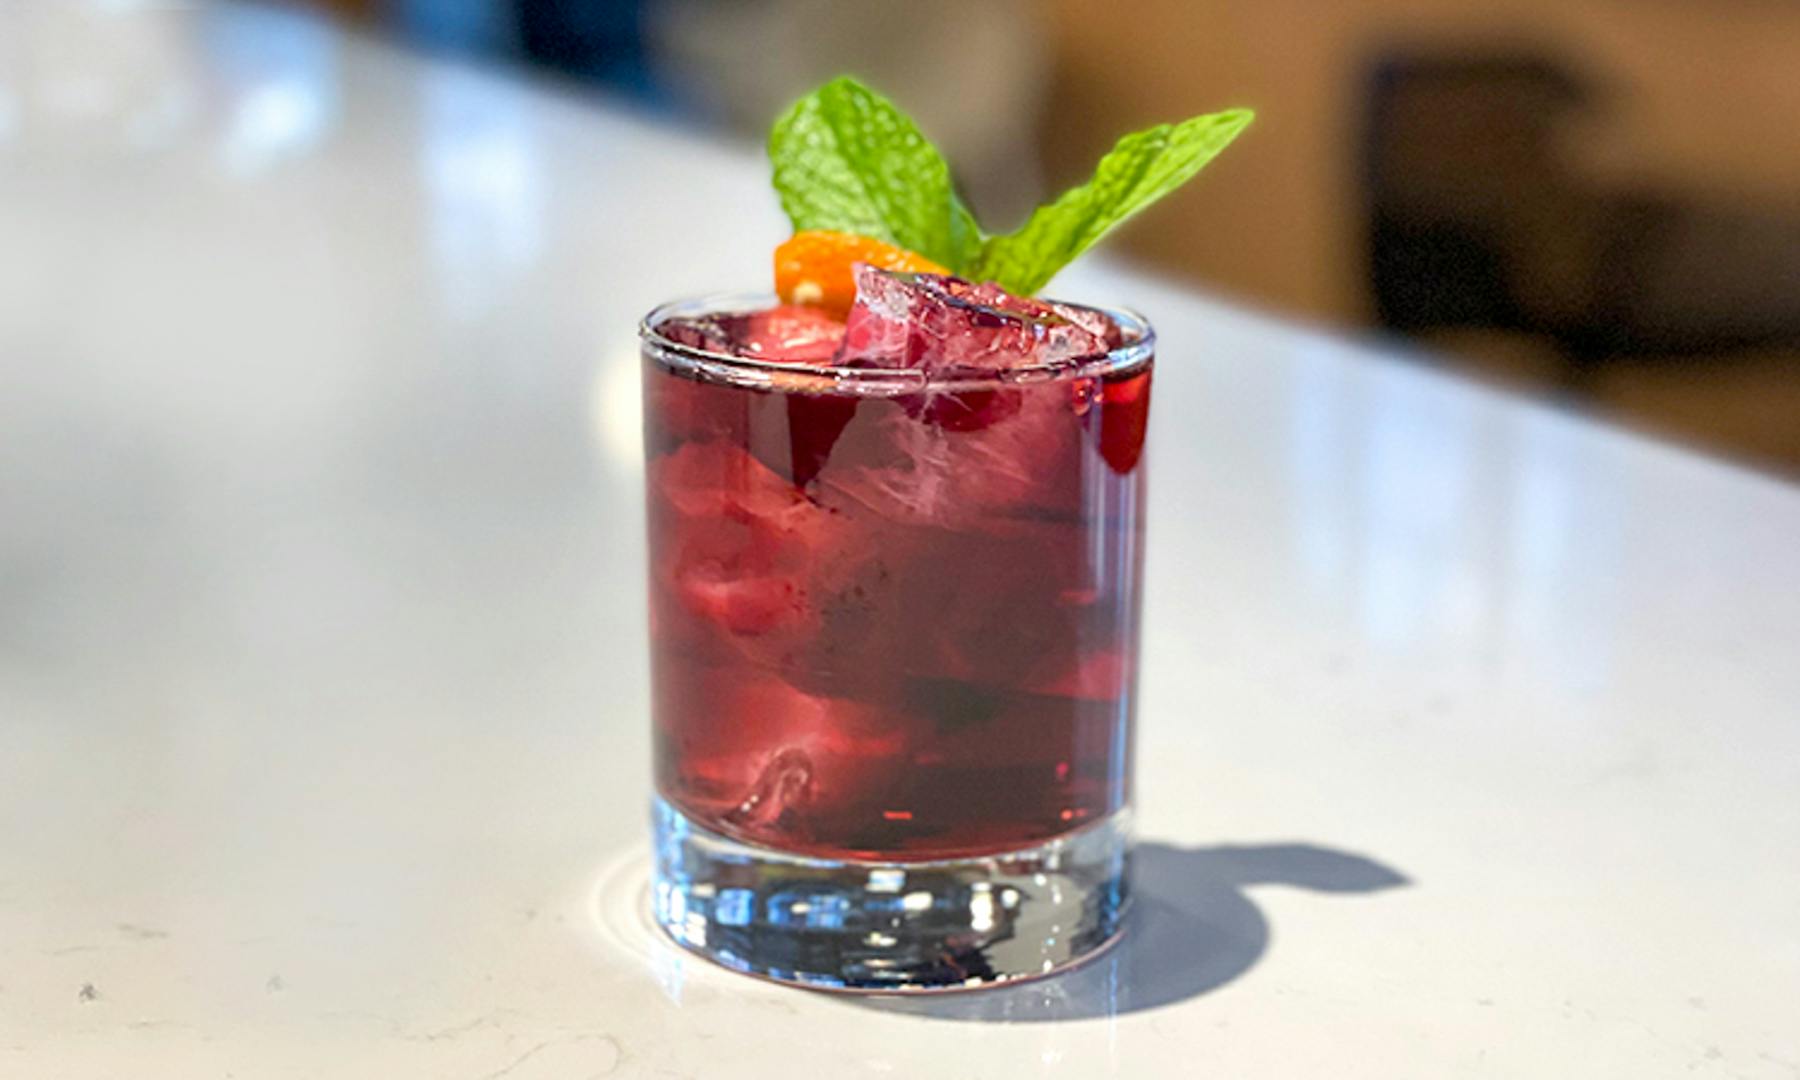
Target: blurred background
[{"x": 1592, "y": 200}]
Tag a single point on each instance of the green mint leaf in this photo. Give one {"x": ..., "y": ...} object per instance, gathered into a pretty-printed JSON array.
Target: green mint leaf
[
  {"x": 1140, "y": 169},
  {"x": 846, "y": 159}
]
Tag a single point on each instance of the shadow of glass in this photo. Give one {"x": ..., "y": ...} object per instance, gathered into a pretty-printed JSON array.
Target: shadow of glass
[{"x": 1192, "y": 929}]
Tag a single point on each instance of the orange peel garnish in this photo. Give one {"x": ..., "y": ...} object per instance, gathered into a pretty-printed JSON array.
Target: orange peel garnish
[{"x": 815, "y": 267}]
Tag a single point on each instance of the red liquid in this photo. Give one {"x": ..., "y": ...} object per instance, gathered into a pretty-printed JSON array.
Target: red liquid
[{"x": 894, "y": 627}]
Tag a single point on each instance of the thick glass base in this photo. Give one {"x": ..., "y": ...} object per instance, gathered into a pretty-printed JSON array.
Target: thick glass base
[{"x": 848, "y": 924}]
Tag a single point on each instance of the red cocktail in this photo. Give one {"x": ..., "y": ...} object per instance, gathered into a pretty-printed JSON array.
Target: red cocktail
[{"x": 895, "y": 574}]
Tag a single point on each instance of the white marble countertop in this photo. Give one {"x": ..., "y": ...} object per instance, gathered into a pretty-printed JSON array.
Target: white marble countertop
[{"x": 1471, "y": 731}]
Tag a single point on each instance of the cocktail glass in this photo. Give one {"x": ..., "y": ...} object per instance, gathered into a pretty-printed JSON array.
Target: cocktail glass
[{"x": 894, "y": 622}]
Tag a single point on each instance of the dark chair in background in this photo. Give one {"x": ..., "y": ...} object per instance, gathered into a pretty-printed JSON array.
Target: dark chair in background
[
  {"x": 1477, "y": 218},
  {"x": 603, "y": 42}
]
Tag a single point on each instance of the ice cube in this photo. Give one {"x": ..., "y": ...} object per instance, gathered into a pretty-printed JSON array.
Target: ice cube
[
  {"x": 1008, "y": 628},
  {"x": 776, "y": 760},
  {"x": 787, "y": 333},
  {"x": 949, "y": 328},
  {"x": 938, "y": 323},
  {"x": 757, "y": 568},
  {"x": 914, "y": 460},
  {"x": 741, "y": 537}
]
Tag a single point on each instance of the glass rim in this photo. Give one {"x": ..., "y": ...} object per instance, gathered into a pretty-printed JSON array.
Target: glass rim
[{"x": 1136, "y": 352}]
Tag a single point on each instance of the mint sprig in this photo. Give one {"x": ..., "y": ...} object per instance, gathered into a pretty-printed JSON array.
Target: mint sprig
[
  {"x": 846, "y": 159},
  {"x": 1140, "y": 169}
]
